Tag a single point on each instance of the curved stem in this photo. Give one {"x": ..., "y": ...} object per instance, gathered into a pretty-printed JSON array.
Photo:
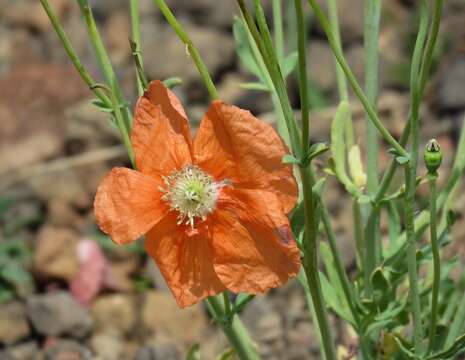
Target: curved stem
[
  {"x": 353, "y": 81},
  {"x": 234, "y": 330},
  {"x": 136, "y": 45},
  {"x": 436, "y": 262},
  {"x": 104, "y": 60},
  {"x": 192, "y": 50},
  {"x": 86, "y": 77}
]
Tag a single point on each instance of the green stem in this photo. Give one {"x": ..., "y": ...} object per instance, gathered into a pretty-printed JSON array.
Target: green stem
[
  {"x": 120, "y": 122},
  {"x": 436, "y": 263},
  {"x": 90, "y": 82},
  {"x": 136, "y": 40},
  {"x": 303, "y": 81},
  {"x": 278, "y": 30},
  {"x": 340, "y": 76},
  {"x": 234, "y": 330},
  {"x": 310, "y": 265},
  {"x": 192, "y": 50},
  {"x": 410, "y": 176},
  {"x": 104, "y": 60},
  {"x": 424, "y": 73},
  {"x": 353, "y": 81},
  {"x": 371, "y": 17},
  {"x": 310, "y": 261},
  {"x": 265, "y": 46}
]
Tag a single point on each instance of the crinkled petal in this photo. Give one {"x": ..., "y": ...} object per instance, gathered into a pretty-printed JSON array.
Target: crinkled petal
[
  {"x": 254, "y": 249},
  {"x": 128, "y": 204},
  {"x": 186, "y": 262},
  {"x": 160, "y": 135},
  {"x": 232, "y": 143}
]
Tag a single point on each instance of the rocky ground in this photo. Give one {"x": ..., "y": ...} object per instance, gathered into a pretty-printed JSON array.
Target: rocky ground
[{"x": 66, "y": 292}]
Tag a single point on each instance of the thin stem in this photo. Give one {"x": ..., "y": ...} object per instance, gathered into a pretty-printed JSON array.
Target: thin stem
[
  {"x": 86, "y": 77},
  {"x": 424, "y": 73},
  {"x": 310, "y": 261},
  {"x": 371, "y": 18},
  {"x": 233, "y": 330},
  {"x": 303, "y": 81},
  {"x": 278, "y": 30},
  {"x": 353, "y": 81},
  {"x": 340, "y": 76},
  {"x": 410, "y": 176},
  {"x": 265, "y": 46},
  {"x": 436, "y": 263},
  {"x": 310, "y": 265},
  {"x": 119, "y": 122},
  {"x": 136, "y": 39},
  {"x": 104, "y": 60},
  {"x": 227, "y": 304},
  {"x": 192, "y": 50}
]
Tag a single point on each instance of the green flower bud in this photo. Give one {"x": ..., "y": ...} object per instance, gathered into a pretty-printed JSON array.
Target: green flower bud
[{"x": 433, "y": 156}]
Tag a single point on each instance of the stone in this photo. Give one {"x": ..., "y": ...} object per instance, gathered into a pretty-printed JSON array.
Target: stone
[
  {"x": 114, "y": 314},
  {"x": 26, "y": 139},
  {"x": 107, "y": 347},
  {"x": 55, "y": 255},
  {"x": 162, "y": 319},
  {"x": 13, "y": 323},
  {"x": 67, "y": 350},
  {"x": 58, "y": 313},
  {"x": 24, "y": 351},
  {"x": 450, "y": 94},
  {"x": 158, "y": 352}
]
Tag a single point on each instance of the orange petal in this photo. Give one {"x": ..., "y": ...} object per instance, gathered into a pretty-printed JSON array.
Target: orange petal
[
  {"x": 232, "y": 143},
  {"x": 186, "y": 262},
  {"x": 128, "y": 204},
  {"x": 160, "y": 134},
  {"x": 252, "y": 242}
]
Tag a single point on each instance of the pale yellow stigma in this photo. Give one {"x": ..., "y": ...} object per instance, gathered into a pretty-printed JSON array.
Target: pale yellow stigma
[{"x": 192, "y": 193}]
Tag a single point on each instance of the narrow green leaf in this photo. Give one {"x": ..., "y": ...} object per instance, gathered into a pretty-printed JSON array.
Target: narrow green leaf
[
  {"x": 243, "y": 48},
  {"x": 290, "y": 159},
  {"x": 290, "y": 63},
  {"x": 338, "y": 147},
  {"x": 254, "y": 86},
  {"x": 457, "y": 347}
]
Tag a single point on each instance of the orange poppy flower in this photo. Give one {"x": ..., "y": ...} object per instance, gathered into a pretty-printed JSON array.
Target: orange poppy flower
[{"x": 213, "y": 209}]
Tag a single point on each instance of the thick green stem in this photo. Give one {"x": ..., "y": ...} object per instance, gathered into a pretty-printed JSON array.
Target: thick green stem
[
  {"x": 436, "y": 262},
  {"x": 90, "y": 82},
  {"x": 353, "y": 81},
  {"x": 192, "y": 50},
  {"x": 234, "y": 330},
  {"x": 104, "y": 60}
]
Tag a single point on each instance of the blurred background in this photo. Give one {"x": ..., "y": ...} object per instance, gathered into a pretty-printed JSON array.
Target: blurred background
[{"x": 66, "y": 292}]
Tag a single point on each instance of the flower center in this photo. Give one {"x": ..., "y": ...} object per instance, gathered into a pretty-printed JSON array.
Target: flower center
[{"x": 192, "y": 193}]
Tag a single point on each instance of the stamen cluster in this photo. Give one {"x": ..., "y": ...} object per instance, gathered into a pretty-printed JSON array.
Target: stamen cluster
[{"x": 192, "y": 193}]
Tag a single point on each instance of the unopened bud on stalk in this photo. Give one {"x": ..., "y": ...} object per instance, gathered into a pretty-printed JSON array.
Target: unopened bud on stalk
[{"x": 433, "y": 156}]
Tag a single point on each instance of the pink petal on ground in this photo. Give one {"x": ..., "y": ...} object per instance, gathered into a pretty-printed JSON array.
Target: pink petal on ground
[{"x": 89, "y": 280}]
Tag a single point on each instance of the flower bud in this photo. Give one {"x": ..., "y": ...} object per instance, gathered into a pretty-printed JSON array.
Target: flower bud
[
  {"x": 433, "y": 156},
  {"x": 356, "y": 167}
]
